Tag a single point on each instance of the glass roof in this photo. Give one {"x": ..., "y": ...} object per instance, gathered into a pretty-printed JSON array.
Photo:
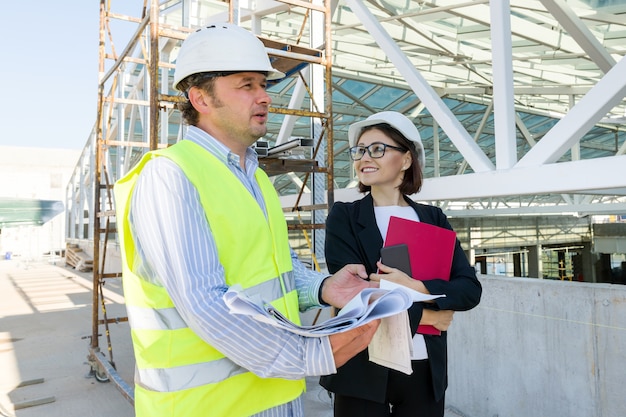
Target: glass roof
[
  {"x": 559, "y": 52},
  {"x": 449, "y": 42}
]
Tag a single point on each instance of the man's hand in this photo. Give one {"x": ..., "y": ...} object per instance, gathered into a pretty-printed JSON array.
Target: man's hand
[
  {"x": 347, "y": 344},
  {"x": 340, "y": 288}
]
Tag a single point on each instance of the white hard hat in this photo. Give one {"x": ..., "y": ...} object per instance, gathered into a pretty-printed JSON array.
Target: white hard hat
[
  {"x": 396, "y": 120},
  {"x": 222, "y": 47}
]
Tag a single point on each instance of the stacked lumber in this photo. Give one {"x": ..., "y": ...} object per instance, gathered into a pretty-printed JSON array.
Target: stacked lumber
[{"x": 76, "y": 258}]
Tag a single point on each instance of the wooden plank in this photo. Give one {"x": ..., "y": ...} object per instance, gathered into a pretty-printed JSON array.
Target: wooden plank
[
  {"x": 32, "y": 403},
  {"x": 30, "y": 382}
]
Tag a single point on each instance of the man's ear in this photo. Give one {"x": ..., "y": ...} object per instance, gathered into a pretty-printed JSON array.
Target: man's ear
[{"x": 199, "y": 99}]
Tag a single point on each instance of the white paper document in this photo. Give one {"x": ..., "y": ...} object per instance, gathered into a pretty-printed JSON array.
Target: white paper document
[
  {"x": 392, "y": 345},
  {"x": 368, "y": 305},
  {"x": 416, "y": 296}
]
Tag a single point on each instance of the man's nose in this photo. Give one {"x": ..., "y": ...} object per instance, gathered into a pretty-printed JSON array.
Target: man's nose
[{"x": 264, "y": 97}]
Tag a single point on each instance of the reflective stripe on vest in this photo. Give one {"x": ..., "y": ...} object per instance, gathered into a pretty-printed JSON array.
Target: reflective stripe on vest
[
  {"x": 169, "y": 319},
  {"x": 190, "y": 376}
]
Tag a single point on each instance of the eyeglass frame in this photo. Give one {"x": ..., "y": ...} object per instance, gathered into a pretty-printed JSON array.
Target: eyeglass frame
[{"x": 369, "y": 151}]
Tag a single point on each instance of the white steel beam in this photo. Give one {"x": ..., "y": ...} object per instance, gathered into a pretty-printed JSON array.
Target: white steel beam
[
  {"x": 295, "y": 102},
  {"x": 448, "y": 122},
  {"x": 605, "y": 95},
  {"x": 557, "y": 209},
  {"x": 259, "y": 8},
  {"x": 580, "y": 32},
  {"x": 588, "y": 176},
  {"x": 503, "y": 98},
  {"x": 523, "y": 28}
]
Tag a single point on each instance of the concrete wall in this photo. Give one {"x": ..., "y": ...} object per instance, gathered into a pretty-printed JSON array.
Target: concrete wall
[{"x": 540, "y": 348}]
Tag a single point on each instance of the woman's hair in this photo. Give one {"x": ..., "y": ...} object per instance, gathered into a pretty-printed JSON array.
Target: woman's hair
[
  {"x": 412, "y": 181},
  {"x": 205, "y": 81}
]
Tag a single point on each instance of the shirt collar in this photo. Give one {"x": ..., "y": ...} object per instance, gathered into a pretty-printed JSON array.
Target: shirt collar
[{"x": 221, "y": 151}]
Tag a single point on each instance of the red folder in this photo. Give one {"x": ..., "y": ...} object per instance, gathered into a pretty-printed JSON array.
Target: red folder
[{"x": 431, "y": 249}]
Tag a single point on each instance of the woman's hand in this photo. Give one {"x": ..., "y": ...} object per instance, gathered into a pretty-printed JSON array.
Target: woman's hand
[
  {"x": 440, "y": 319},
  {"x": 398, "y": 277}
]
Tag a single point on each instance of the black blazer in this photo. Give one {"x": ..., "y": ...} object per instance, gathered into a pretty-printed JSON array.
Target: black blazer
[{"x": 352, "y": 237}]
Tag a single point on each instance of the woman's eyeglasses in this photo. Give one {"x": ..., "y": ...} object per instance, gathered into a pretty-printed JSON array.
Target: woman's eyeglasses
[{"x": 375, "y": 150}]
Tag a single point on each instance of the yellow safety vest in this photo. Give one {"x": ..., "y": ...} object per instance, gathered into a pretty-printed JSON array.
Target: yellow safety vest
[{"x": 179, "y": 374}]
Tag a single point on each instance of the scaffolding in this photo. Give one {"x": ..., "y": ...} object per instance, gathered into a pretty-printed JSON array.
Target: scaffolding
[{"x": 136, "y": 113}]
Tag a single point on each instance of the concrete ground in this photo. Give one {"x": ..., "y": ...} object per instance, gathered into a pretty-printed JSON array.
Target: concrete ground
[{"x": 45, "y": 329}]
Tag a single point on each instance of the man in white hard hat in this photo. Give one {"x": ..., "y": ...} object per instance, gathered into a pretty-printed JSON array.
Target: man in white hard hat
[{"x": 199, "y": 217}]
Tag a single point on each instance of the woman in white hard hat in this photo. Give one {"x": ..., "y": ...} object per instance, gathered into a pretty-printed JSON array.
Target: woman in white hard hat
[
  {"x": 198, "y": 218},
  {"x": 388, "y": 159}
]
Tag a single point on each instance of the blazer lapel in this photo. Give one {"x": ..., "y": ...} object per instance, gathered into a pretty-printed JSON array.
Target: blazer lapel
[{"x": 369, "y": 236}]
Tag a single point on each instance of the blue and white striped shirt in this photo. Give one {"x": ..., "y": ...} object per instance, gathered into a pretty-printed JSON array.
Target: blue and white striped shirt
[{"x": 176, "y": 249}]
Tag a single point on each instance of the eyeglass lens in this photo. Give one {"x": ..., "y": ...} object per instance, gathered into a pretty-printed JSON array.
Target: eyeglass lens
[{"x": 375, "y": 150}]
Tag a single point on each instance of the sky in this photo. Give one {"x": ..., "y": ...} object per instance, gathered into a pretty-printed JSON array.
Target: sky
[{"x": 49, "y": 72}]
